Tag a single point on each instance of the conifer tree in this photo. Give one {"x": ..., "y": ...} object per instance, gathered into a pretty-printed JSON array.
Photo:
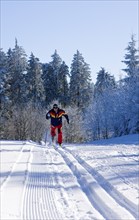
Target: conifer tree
[
  {"x": 55, "y": 64},
  {"x": 63, "y": 90},
  {"x": 48, "y": 83},
  {"x": 132, "y": 59},
  {"x": 100, "y": 112},
  {"x": 4, "y": 100},
  {"x": 131, "y": 88},
  {"x": 51, "y": 78},
  {"x": 3, "y": 71},
  {"x": 16, "y": 65},
  {"x": 35, "y": 89},
  {"x": 104, "y": 82},
  {"x": 80, "y": 82}
]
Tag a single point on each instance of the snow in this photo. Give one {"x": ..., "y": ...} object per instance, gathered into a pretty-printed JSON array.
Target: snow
[{"x": 97, "y": 180}]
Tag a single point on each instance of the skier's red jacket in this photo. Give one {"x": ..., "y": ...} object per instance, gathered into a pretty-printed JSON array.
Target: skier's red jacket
[{"x": 56, "y": 118}]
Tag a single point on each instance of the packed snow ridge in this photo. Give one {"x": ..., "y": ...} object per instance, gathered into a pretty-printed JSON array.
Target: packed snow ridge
[{"x": 92, "y": 181}]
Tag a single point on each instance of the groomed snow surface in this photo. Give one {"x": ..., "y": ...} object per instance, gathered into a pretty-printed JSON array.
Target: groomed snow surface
[{"x": 99, "y": 180}]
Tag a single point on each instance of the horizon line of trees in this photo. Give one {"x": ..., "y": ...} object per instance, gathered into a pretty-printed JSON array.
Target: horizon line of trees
[{"x": 101, "y": 110}]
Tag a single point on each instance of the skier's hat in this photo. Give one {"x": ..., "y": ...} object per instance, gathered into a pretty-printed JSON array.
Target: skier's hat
[{"x": 55, "y": 106}]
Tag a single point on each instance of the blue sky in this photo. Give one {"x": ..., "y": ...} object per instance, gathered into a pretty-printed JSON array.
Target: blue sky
[{"x": 100, "y": 30}]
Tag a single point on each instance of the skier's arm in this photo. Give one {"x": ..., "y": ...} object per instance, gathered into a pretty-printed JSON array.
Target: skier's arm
[
  {"x": 67, "y": 118},
  {"x": 48, "y": 115}
]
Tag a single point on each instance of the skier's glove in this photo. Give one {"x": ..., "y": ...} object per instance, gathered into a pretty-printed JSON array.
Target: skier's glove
[{"x": 48, "y": 116}]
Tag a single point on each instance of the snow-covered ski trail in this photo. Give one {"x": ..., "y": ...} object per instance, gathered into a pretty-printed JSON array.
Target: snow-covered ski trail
[
  {"x": 14, "y": 165},
  {"x": 76, "y": 203},
  {"x": 106, "y": 203},
  {"x": 119, "y": 197},
  {"x": 9, "y": 187},
  {"x": 52, "y": 191},
  {"x": 39, "y": 199},
  {"x": 82, "y": 182}
]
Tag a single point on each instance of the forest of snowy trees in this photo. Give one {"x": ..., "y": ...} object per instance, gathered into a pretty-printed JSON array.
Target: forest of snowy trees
[{"x": 28, "y": 89}]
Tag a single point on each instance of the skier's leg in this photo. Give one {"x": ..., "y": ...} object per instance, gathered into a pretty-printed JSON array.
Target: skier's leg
[
  {"x": 60, "y": 134},
  {"x": 53, "y": 132}
]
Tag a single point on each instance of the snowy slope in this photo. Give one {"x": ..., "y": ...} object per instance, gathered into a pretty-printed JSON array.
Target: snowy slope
[{"x": 98, "y": 180}]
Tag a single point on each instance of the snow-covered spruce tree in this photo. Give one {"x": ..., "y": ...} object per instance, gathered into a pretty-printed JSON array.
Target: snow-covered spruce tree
[
  {"x": 48, "y": 83},
  {"x": 14, "y": 84},
  {"x": 50, "y": 78},
  {"x": 63, "y": 89},
  {"x": 131, "y": 87},
  {"x": 34, "y": 83},
  {"x": 80, "y": 82},
  {"x": 104, "y": 81},
  {"x": 16, "y": 67},
  {"x": 55, "y": 64},
  {"x": 100, "y": 111},
  {"x": 3, "y": 71},
  {"x": 3, "y": 98},
  {"x": 131, "y": 60}
]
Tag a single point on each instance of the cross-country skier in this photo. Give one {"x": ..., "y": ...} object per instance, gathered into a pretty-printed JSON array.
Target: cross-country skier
[{"x": 55, "y": 114}]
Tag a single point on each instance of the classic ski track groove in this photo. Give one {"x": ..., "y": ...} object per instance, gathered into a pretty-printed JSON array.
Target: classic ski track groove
[
  {"x": 38, "y": 198},
  {"x": 119, "y": 197},
  {"x": 25, "y": 200},
  {"x": 18, "y": 166},
  {"x": 125, "y": 155},
  {"x": 119, "y": 175},
  {"x": 66, "y": 207},
  {"x": 128, "y": 182},
  {"x": 94, "y": 198},
  {"x": 56, "y": 179},
  {"x": 39, "y": 201},
  {"x": 7, "y": 179}
]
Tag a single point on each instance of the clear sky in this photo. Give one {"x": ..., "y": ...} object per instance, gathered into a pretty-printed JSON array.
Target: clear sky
[{"x": 100, "y": 30}]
